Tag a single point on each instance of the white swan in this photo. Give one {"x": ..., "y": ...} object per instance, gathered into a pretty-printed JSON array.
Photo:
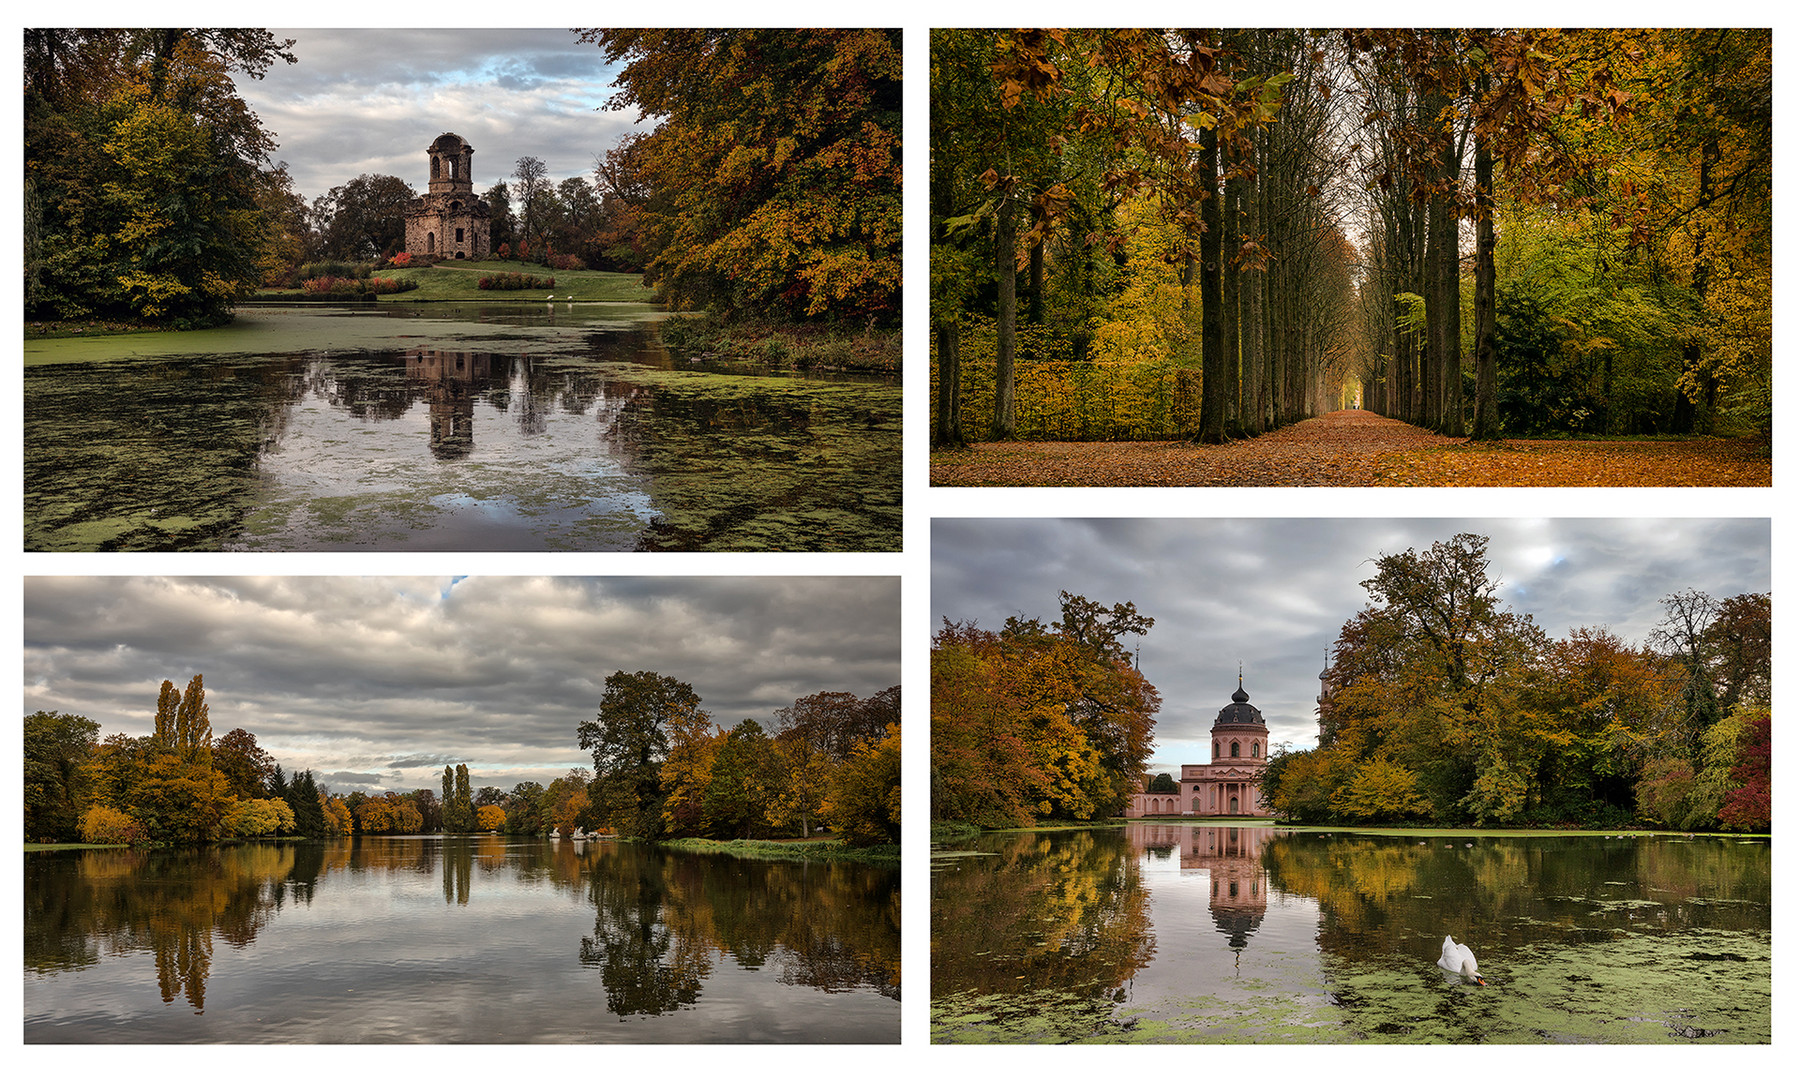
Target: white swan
[{"x": 1460, "y": 959}]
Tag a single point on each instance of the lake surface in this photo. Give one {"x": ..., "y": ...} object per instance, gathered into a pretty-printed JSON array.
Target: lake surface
[
  {"x": 442, "y": 427},
  {"x": 457, "y": 940},
  {"x": 1178, "y": 933}
]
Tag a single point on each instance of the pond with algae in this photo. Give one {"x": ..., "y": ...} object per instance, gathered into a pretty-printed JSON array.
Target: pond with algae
[
  {"x": 435, "y": 939},
  {"x": 507, "y": 427},
  {"x": 1188, "y": 933}
]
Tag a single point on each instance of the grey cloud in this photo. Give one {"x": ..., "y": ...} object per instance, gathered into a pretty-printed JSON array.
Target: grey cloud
[
  {"x": 370, "y": 101},
  {"x": 354, "y": 674},
  {"x": 1273, "y": 593}
]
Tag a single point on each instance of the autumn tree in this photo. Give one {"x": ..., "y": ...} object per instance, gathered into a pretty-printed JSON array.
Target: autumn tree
[
  {"x": 624, "y": 190},
  {"x": 144, "y": 169},
  {"x": 1748, "y": 807},
  {"x": 257, "y": 817},
  {"x": 863, "y": 800},
  {"x": 248, "y": 768},
  {"x": 687, "y": 771},
  {"x": 1039, "y": 720},
  {"x": 774, "y": 169}
]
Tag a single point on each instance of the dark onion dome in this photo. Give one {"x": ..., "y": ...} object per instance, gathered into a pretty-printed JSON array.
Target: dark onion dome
[{"x": 1240, "y": 713}]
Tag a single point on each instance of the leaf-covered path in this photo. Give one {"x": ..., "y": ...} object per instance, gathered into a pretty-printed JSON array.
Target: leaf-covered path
[{"x": 1356, "y": 448}]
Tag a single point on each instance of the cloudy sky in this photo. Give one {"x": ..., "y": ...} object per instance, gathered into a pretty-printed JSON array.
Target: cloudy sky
[
  {"x": 371, "y": 101},
  {"x": 1272, "y": 593},
  {"x": 378, "y": 683}
]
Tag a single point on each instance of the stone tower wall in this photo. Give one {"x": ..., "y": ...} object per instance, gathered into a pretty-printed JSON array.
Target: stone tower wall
[{"x": 449, "y": 221}]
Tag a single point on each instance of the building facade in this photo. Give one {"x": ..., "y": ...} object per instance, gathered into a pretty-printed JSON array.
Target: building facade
[
  {"x": 448, "y": 221},
  {"x": 1228, "y": 786}
]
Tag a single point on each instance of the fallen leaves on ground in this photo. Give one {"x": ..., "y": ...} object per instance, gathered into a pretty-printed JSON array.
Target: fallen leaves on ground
[{"x": 1356, "y": 448}]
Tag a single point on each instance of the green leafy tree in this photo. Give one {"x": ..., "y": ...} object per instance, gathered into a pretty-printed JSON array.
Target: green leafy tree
[
  {"x": 449, "y": 799},
  {"x": 54, "y": 778},
  {"x": 307, "y": 806},
  {"x": 524, "y": 815},
  {"x": 459, "y": 805},
  {"x": 629, "y": 740},
  {"x": 364, "y": 218},
  {"x": 741, "y": 788},
  {"x": 501, "y": 227},
  {"x": 465, "y": 804}
]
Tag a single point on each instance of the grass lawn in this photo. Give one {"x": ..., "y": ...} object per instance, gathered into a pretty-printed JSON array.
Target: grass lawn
[
  {"x": 457, "y": 280},
  {"x": 815, "y": 848}
]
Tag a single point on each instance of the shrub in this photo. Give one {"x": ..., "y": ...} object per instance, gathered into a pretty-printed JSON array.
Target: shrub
[
  {"x": 401, "y": 258},
  {"x": 104, "y": 825},
  {"x": 515, "y": 282},
  {"x": 350, "y": 287},
  {"x": 567, "y": 262},
  {"x": 334, "y": 268}
]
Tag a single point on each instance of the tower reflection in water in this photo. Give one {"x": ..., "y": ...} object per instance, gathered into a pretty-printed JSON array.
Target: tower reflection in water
[
  {"x": 452, "y": 379},
  {"x": 1232, "y": 859}
]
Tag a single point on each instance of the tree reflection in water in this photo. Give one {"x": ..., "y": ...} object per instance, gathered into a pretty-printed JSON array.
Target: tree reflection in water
[
  {"x": 662, "y": 919},
  {"x": 1183, "y": 933},
  {"x": 664, "y": 923}
]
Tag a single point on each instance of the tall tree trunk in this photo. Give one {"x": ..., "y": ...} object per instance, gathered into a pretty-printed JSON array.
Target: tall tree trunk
[
  {"x": 1688, "y": 417},
  {"x": 1034, "y": 308},
  {"x": 1487, "y": 418},
  {"x": 1212, "y": 337},
  {"x": 1250, "y": 294},
  {"x": 1229, "y": 241},
  {"x": 949, "y": 432},
  {"x": 1006, "y": 268}
]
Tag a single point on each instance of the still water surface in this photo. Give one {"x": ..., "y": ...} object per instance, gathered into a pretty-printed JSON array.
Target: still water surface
[
  {"x": 1177, "y": 933},
  {"x": 505, "y": 428},
  {"x": 454, "y": 940}
]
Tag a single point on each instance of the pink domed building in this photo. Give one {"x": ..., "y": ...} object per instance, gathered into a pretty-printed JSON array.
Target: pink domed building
[{"x": 1231, "y": 784}]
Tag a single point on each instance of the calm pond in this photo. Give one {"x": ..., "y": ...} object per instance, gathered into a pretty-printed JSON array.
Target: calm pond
[
  {"x": 444, "y": 427},
  {"x": 457, "y": 940},
  {"x": 1186, "y": 933}
]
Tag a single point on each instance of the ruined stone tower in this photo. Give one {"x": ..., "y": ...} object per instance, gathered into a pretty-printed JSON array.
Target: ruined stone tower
[{"x": 448, "y": 221}]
